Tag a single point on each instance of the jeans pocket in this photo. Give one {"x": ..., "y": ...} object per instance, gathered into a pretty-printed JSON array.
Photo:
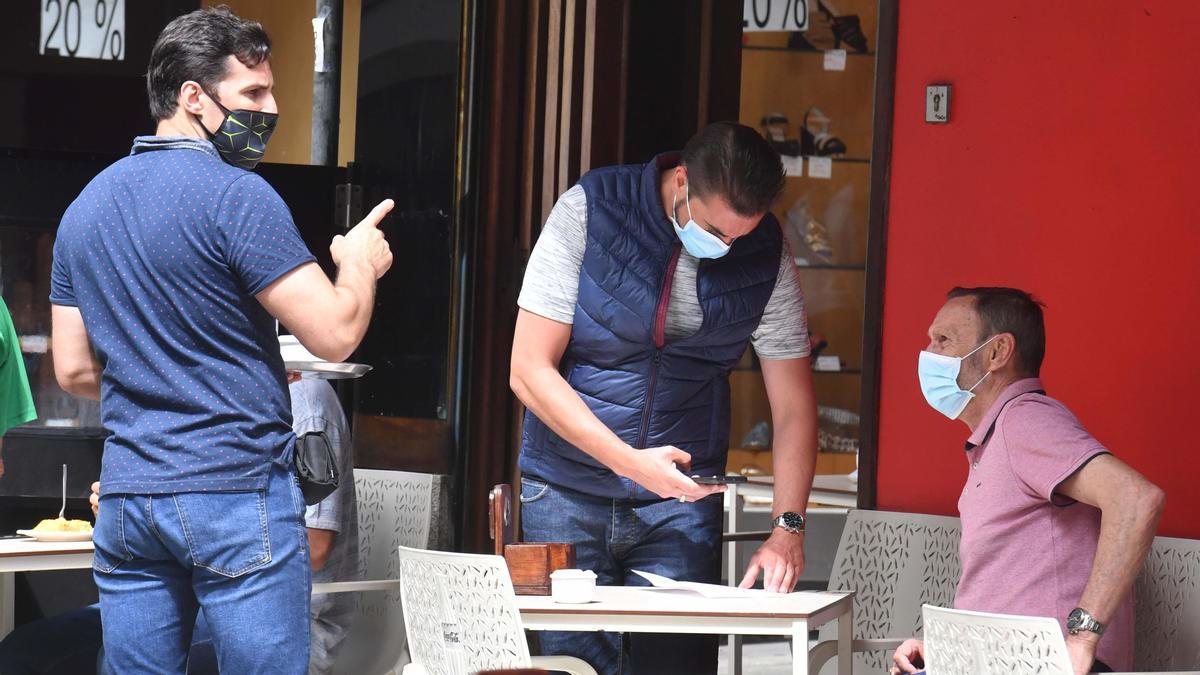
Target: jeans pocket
[
  {"x": 533, "y": 489},
  {"x": 109, "y": 535},
  {"x": 226, "y": 532}
]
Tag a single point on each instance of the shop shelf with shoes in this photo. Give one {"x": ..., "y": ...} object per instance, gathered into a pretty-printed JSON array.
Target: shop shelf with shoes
[
  {"x": 809, "y": 109},
  {"x": 832, "y": 24},
  {"x": 791, "y": 83}
]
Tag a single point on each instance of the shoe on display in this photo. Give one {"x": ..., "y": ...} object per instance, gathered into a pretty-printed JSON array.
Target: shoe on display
[
  {"x": 759, "y": 437},
  {"x": 820, "y": 35},
  {"x": 838, "y": 220},
  {"x": 847, "y": 28},
  {"x": 837, "y": 429},
  {"x": 816, "y": 344},
  {"x": 775, "y": 128},
  {"x": 824, "y": 144},
  {"x": 808, "y": 238}
]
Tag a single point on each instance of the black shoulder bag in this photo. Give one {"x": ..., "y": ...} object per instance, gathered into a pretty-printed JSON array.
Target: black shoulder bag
[{"x": 316, "y": 467}]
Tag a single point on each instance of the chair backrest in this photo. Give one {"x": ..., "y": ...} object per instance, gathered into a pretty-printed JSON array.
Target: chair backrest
[
  {"x": 1167, "y": 606},
  {"x": 959, "y": 642},
  {"x": 894, "y": 562},
  {"x": 460, "y": 612},
  {"x": 394, "y": 510}
]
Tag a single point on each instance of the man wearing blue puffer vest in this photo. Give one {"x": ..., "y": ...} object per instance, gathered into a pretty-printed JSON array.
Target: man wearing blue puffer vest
[{"x": 642, "y": 292}]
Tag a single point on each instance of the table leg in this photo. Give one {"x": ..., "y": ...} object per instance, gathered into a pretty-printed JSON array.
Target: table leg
[
  {"x": 7, "y": 601},
  {"x": 845, "y": 635},
  {"x": 731, "y": 577},
  {"x": 735, "y": 655},
  {"x": 800, "y": 648}
]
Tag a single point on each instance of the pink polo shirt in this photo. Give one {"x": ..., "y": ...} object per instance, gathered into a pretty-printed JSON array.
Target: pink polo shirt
[{"x": 1024, "y": 549}]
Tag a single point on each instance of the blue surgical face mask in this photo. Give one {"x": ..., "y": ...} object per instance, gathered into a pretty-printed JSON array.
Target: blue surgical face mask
[
  {"x": 938, "y": 374},
  {"x": 697, "y": 240}
]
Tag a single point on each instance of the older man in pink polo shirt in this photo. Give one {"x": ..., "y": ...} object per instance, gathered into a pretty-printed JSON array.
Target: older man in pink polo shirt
[{"x": 1052, "y": 523}]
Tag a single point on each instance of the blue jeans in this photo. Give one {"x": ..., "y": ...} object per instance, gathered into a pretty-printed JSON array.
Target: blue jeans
[
  {"x": 614, "y": 536},
  {"x": 241, "y": 556}
]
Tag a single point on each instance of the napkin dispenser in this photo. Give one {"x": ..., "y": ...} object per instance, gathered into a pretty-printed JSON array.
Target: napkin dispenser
[{"x": 529, "y": 565}]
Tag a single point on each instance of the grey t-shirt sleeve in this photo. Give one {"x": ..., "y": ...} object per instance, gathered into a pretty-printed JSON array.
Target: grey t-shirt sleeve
[
  {"x": 783, "y": 331},
  {"x": 551, "y": 284}
]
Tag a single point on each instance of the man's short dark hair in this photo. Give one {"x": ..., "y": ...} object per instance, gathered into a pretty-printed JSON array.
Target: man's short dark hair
[
  {"x": 1010, "y": 310},
  {"x": 196, "y": 46},
  {"x": 736, "y": 163}
]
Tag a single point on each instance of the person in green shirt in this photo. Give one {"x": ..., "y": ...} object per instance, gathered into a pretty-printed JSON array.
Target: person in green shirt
[{"x": 16, "y": 400}]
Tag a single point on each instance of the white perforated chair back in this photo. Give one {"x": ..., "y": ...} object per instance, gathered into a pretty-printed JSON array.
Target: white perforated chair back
[
  {"x": 460, "y": 612},
  {"x": 394, "y": 510},
  {"x": 1167, "y": 606},
  {"x": 894, "y": 562},
  {"x": 959, "y": 642}
]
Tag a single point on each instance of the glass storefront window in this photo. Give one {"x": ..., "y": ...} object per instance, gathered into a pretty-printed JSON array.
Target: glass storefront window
[{"x": 25, "y": 256}]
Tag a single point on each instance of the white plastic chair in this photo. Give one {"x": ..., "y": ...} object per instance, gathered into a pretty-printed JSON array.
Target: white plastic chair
[
  {"x": 958, "y": 642},
  {"x": 394, "y": 510},
  {"x": 894, "y": 562},
  {"x": 461, "y": 616},
  {"x": 1167, "y": 607}
]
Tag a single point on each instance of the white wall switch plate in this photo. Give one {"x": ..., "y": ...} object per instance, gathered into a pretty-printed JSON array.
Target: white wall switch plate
[{"x": 937, "y": 103}]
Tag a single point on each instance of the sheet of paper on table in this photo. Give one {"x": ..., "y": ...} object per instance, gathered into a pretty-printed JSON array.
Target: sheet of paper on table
[{"x": 706, "y": 590}]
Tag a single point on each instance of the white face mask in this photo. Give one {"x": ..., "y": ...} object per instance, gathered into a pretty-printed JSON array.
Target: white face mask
[{"x": 697, "y": 240}]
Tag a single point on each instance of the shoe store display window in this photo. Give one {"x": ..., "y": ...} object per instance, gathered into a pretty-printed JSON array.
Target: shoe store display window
[{"x": 808, "y": 84}]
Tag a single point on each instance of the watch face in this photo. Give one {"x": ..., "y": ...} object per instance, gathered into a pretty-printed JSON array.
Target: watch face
[
  {"x": 791, "y": 521},
  {"x": 1074, "y": 619}
]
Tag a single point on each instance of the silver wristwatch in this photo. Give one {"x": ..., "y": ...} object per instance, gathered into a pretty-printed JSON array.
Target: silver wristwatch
[
  {"x": 1080, "y": 620},
  {"x": 790, "y": 521}
]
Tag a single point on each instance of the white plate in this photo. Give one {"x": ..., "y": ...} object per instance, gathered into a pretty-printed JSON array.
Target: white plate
[{"x": 57, "y": 536}]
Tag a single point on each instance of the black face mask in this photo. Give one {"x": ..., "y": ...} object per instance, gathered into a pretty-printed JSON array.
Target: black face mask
[{"x": 242, "y": 137}]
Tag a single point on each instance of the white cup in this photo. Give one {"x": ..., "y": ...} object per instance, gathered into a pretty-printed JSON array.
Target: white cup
[{"x": 572, "y": 586}]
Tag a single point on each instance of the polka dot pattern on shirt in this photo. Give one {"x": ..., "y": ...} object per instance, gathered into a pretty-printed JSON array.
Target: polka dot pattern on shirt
[{"x": 163, "y": 253}]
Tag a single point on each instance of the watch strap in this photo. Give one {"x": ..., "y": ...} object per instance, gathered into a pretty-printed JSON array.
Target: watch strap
[{"x": 1085, "y": 622}]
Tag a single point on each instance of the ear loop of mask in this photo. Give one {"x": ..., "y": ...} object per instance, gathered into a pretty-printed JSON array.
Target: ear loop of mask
[
  {"x": 687, "y": 199},
  {"x": 224, "y": 113},
  {"x": 985, "y": 375}
]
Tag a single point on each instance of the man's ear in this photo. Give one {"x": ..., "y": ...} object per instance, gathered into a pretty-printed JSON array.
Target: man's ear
[
  {"x": 680, "y": 176},
  {"x": 1002, "y": 351},
  {"x": 189, "y": 97}
]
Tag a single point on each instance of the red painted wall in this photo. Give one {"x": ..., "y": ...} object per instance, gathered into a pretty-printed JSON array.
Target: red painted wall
[{"x": 1070, "y": 168}]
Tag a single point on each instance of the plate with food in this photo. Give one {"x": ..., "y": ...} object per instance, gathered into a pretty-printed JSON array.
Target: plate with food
[{"x": 60, "y": 529}]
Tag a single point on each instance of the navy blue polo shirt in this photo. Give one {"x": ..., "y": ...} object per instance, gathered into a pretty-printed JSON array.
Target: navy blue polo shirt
[{"x": 163, "y": 253}]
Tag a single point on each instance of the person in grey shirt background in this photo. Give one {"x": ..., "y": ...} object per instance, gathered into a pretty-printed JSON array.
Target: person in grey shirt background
[{"x": 332, "y": 523}]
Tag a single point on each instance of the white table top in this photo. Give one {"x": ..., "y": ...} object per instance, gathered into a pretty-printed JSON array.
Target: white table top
[
  {"x": 823, "y": 482},
  {"x": 26, "y": 555},
  {"x": 625, "y": 600}
]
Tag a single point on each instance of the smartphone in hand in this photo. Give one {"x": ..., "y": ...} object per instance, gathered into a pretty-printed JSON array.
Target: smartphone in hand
[{"x": 719, "y": 480}]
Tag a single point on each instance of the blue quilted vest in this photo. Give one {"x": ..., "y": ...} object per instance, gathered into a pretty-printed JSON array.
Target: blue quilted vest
[{"x": 648, "y": 391}]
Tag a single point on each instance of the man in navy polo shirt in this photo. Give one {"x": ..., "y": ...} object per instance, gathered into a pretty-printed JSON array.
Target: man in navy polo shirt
[{"x": 170, "y": 270}]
